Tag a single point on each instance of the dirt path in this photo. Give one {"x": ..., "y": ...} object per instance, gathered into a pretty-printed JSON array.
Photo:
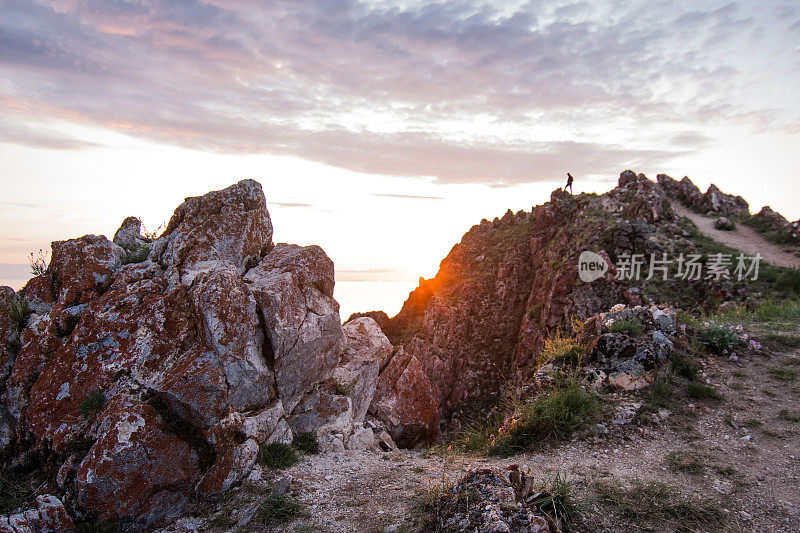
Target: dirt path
[{"x": 742, "y": 238}]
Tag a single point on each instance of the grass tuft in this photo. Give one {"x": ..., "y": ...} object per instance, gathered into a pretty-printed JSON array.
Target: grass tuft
[
  {"x": 631, "y": 327},
  {"x": 561, "y": 349},
  {"x": 688, "y": 462},
  {"x": 18, "y": 309},
  {"x": 306, "y": 443},
  {"x": 92, "y": 403},
  {"x": 276, "y": 456},
  {"x": 279, "y": 507},
  {"x": 698, "y": 391},
  {"x": 555, "y": 414},
  {"x": 782, "y": 373},
  {"x": 653, "y": 503}
]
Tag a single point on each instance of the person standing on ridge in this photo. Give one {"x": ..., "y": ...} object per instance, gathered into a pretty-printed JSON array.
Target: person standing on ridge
[{"x": 569, "y": 183}]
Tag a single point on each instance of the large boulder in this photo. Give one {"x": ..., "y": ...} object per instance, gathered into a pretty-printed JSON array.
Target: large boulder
[
  {"x": 368, "y": 350},
  {"x": 404, "y": 401},
  {"x": 137, "y": 470},
  {"x": 232, "y": 225},
  {"x": 293, "y": 287}
]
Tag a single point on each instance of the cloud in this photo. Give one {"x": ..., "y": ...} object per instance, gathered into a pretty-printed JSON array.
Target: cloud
[
  {"x": 289, "y": 204},
  {"x": 407, "y": 196},
  {"x": 376, "y": 86}
]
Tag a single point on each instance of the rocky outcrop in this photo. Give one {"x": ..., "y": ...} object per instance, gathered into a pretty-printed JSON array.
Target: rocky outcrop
[
  {"x": 712, "y": 201},
  {"x": 381, "y": 318},
  {"x": 147, "y": 381},
  {"x": 144, "y": 381},
  {"x": 480, "y": 323},
  {"x": 497, "y": 504}
]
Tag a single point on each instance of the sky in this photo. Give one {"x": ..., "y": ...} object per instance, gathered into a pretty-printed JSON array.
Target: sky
[{"x": 382, "y": 130}]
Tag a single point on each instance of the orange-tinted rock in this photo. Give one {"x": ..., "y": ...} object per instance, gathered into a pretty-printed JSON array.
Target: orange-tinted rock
[
  {"x": 405, "y": 402},
  {"x": 136, "y": 471}
]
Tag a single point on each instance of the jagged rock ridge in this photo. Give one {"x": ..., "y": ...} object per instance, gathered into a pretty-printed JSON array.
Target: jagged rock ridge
[{"x": 480, "y": 322}]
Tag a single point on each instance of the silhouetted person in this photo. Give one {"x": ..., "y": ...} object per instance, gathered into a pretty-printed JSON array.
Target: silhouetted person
[{"x": 569, "y": 182}]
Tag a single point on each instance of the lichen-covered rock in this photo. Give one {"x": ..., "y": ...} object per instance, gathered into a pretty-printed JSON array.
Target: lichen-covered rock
[
  {"x": 293, "y": 287},
  {"x": 49, "y": 516},
  {"x": 368, "y": 350},
  {"x": 629, "y": 345},
  {"x": 231, "y": 224},
  {"x": 81, "y": 269},
  {"x": 405, "y": 402},
  {"x": 381, "y": 318},
  {"x": 129, "y": 233},
  {"x": 494, "y": 506},
  {"x": 137, "y": 470}
]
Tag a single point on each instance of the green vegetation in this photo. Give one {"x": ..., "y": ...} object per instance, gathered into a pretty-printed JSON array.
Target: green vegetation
[
  {"x": 276, "y": 456},
  {"x": 558, "y": 499},
  {"x": 651, "y": 503},
  {"x": 717, "y": 338},
  {"x": 18, "y": 310},
  {"x": 789, "y": 416},
  {"x": 553, "y": 415},
  {"x": 688, "y": 462},
  {"x": 698, "y": 391},
  {"x": 137, "y": 253},
  {"x": 279, "y": 507},
  {"x": 561, "y": 349},
  {"x": 782, "y": 373},
  {"x": 525, "y": 424},
  {"x": 764, "y": 228},
  {"x": 681, "y": 364},
  {"x": 13, "y": 494},
  {"x": 92, "y": 403},
  {"x": 306, "y": 443},
  {"x": 631, "y": 327}
]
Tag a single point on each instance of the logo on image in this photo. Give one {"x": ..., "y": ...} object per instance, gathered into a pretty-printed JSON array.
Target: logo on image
[{"x": 591, "y": 266}]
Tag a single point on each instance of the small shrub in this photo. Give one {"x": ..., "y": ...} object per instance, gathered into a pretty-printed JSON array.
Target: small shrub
[
  {"x": 682, "y": 365},
  {"x": 279, "y": 507},
  {"x": 276, "y": 456},
  {"x": 92, "y": 404},
  {"x": 631, "y": 327},
  {"x": 561, "y": 349},
  {"x": 698, "y": 391},
  {"x": 38, "y": 263},
  {"x": 18, "y": 309},
  {"x": 306, "y": 443},
  {"x": 688, "y": 462},
  {"x": 718, "y": 339},
  {"x": 137, "y": 253},
  {"x": 555, "y": 414}
]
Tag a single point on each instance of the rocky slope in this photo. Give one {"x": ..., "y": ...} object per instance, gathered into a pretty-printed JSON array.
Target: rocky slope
[
  {"x": 139, "y": 375},
  {"x": 480, "y": 322}
]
